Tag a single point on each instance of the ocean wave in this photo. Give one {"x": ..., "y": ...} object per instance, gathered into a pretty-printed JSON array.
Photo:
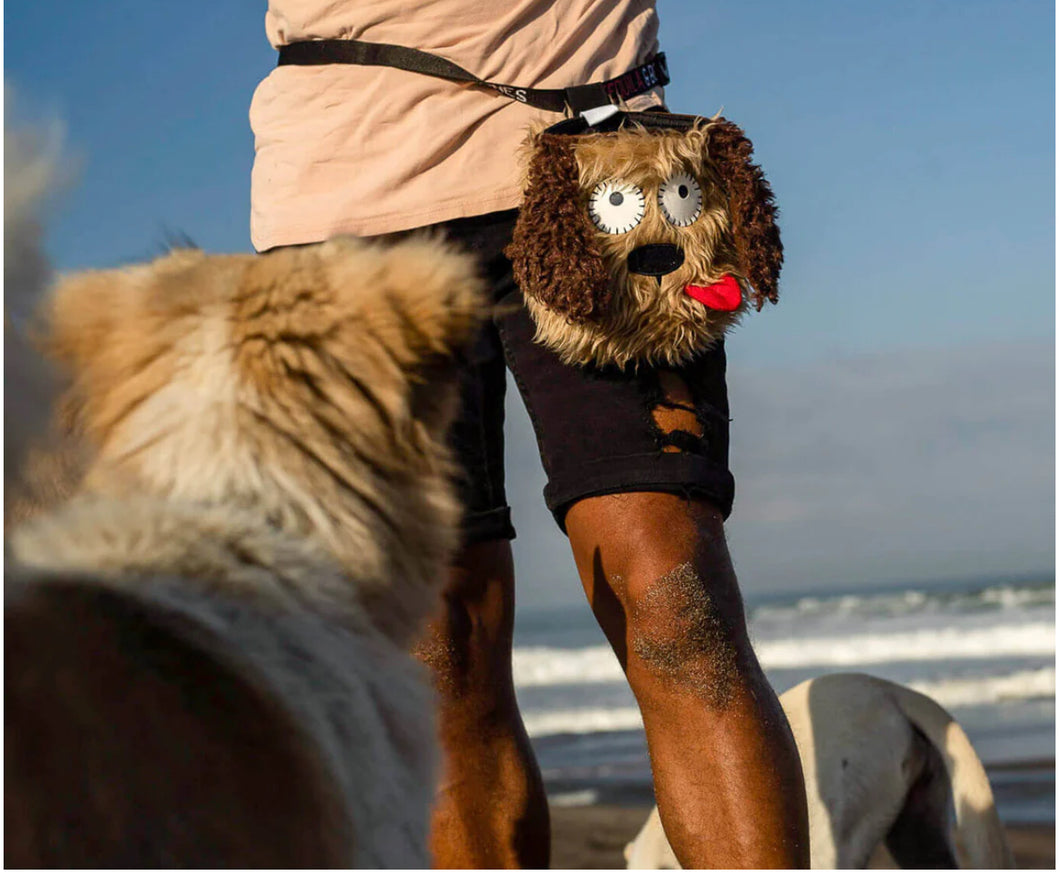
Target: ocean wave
[
  {"x": 549, "y": 666},
  {"x": 581, "y": 721},
  {"x": 999, "y": 597},
  {"x": 953, "y": 693},
  {"x": 574, "y": 798},
  {"x": 1007, "y": 640},
  {"x": 966, "y": 692}
]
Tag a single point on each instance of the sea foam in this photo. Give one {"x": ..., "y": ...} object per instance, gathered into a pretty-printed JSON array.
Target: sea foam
[
  {"x": 950, "y": 693},
  {"x": 551, "y": 666}
]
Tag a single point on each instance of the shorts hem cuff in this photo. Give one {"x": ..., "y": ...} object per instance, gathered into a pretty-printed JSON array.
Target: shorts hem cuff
[
  {"x": 674, "y": 473},
  {"x": 489, "y": 525}
]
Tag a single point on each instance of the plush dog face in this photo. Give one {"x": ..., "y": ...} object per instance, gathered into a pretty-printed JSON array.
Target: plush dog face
[
  {"x": 312, "y": 387},
  {"x": 643, "y": 245}
]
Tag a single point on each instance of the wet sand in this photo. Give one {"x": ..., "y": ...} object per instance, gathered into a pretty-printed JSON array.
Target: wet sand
[{"x": 593, "y": 836}]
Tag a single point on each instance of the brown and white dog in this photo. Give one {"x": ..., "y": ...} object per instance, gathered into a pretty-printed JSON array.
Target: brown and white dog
[
  {"x": 890, "y": 778},
  {"x": 644, "y": 239},
  {"x": 206, "y": 646}
]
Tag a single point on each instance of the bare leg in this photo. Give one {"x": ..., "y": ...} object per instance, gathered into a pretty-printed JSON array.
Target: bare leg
[
  {"x": 727, "y": 776},
  {"x": 491, "y": 810}
]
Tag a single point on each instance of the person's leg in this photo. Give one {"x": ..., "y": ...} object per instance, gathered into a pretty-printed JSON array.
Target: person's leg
[
  {"x": 490, "y": 811},
  {"x": 727, "y": 776},
  {"x": 637, "y": 464}
]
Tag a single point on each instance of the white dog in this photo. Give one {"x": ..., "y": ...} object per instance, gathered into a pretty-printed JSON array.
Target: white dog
[{"x": 883, "y": 765}]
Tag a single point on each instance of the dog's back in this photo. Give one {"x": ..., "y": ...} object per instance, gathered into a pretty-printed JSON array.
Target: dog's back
[
  {"x": 201, "y": 700},
  {"x": 133, "y": 740}
]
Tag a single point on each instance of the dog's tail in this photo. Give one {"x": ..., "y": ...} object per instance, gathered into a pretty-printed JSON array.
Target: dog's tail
[{"x": 980, "y": 837}]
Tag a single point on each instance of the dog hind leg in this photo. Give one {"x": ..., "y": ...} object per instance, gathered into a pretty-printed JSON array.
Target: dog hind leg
[{"x": 919, "y": 837}]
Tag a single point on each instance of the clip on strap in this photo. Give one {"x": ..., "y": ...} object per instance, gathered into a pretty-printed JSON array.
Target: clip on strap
[
  {"x": 596, "y": 114},
  {"x": 575, "y": 99}
]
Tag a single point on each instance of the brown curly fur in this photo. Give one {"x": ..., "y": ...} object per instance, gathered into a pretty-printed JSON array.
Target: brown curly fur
[
  {"x": 587, "y": 306},
  {"x": 752, "y": 208},
  {"x": 556, "y": 252}
]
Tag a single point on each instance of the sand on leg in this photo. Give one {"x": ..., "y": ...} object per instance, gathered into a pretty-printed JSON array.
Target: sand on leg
[{"x": 728, "y": 780}]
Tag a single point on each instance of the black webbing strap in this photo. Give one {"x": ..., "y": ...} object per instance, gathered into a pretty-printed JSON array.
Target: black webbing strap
[{"x": 576, "y": 98}]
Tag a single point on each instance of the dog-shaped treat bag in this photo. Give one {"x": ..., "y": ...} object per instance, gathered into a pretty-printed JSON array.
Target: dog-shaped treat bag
[{"x": 643, "y": 238}]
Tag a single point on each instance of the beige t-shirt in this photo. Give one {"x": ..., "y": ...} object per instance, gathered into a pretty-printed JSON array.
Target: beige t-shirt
[{"x": 342, "y": 149}]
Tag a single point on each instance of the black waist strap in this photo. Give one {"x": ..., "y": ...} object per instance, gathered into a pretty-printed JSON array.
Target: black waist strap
[{"x": 576, "y": 98}]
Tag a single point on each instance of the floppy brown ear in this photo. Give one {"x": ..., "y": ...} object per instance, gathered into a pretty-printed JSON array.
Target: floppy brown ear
[
  {"x": 554, "y": 252},
  {"x": 751, "y": 208}
]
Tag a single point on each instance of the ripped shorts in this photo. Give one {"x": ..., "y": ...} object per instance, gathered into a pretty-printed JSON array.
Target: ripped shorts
[{"x": 599, "y": 431}]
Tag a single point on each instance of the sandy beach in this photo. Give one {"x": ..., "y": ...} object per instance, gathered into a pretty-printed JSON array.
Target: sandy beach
[{"x": 593, "y": 836}]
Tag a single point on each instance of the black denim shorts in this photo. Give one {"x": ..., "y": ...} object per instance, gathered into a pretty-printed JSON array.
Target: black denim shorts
[{"x": 599, "y": 430}]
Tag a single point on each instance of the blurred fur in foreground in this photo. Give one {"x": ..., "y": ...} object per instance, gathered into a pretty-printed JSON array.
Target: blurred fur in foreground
[
  {"x": 206, "y": 644},
  {"x": 30, "y": 172}
]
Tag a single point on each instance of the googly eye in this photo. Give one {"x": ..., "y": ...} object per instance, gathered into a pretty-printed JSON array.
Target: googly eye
[
  {"x": 681, "y": 199},
  {"x": 616, "y": 206}
]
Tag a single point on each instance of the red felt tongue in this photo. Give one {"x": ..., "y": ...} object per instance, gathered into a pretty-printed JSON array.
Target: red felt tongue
[{"x": 722, "y": 295}]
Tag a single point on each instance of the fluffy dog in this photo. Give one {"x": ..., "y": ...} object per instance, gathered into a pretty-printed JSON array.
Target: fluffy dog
[
  {"x": 883, "y": 765},
  {"x": 644, "y": 239},
  {"x": 206, "y": 646}
]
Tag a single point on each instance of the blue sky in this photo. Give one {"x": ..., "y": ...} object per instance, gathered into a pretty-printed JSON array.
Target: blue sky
[{"x": 911, "y": 147}]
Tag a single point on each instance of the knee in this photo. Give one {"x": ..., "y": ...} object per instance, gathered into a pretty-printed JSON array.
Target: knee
[
  {"x": 686, "y": 633},
  {"x": 660, "y": 580},
  {"x": 468, "y": 642}
]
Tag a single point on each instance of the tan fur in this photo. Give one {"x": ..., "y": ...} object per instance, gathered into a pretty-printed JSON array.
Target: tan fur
[
  {"x": 50, "y": 471},
  {"x": 643, "y": 321},
  {"x": 268, "y": 465},
  {"x": 302, "y": 383}
]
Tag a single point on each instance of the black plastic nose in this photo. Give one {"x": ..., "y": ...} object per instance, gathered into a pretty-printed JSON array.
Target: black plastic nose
[{"x": 655, "y": 259}]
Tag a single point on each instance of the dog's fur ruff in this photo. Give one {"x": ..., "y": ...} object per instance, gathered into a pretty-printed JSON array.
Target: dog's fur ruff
[
  {"x": 586, "y": 304},
  {"x": 884, "y": 765},
  {"x": 259, "y": 536}
]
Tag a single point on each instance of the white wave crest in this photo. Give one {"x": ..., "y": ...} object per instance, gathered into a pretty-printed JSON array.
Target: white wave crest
[
  {"x": 574, "y": 799},
  {"x": 547, "y": 666},
  {"x": 955, "y": 693},
  {"x": 965, "y": 692},
  {"x": 1009, "y": 640},
  {"x": 999, "y": 597},
  {"x": 581, "y": 721}
]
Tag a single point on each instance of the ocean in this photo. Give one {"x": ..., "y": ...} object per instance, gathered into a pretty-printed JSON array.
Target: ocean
[{"x": 985, "y": 650}]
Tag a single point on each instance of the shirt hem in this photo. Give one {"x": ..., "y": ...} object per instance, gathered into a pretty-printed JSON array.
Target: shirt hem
[{"x": 386, "y": 223}]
